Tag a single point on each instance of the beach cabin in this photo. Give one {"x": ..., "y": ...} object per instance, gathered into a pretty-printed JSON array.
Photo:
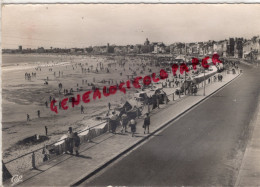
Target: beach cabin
[{"x": 130, "y": 76}]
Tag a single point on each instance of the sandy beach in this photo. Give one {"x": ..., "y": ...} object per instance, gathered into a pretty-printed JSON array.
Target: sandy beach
[{"x": 22, "y": 96}]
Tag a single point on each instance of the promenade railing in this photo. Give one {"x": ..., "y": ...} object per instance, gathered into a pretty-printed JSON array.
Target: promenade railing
[{"x": 35, "y": 157}]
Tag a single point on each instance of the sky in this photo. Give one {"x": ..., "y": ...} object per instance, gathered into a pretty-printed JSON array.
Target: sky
[{"x": 83, "y": 25}]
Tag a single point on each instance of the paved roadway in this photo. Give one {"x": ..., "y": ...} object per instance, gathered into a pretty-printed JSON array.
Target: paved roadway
[{"x": 205, "y": 147}]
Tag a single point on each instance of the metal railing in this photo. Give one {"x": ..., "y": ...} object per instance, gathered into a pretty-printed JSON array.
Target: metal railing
[{"x": 33, "y": 158}]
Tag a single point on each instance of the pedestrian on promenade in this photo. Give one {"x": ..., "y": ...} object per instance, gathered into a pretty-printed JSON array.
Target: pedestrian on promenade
[
  {"x": 124, "y": 122},
  {"x": 146, "y": 123},
  {"x": 46, "y": 104},
  {"x": 69, "y": 143},
  {"x": 39, "y": 113},
  {"x": 177, "y": 83},
  {"x": 132, "y": 124},
  {"x": 194, "y": 89},
  {"x": 215, "y": 78},
  {"x": 46, "y": 153},
  {"x": 76, "y": 143},
  {"x": 220, "y": 77},
  {"x": 113, "y": 122},
  {"x": 158, "y": 100},
  {"x": 190, "y": 89}
]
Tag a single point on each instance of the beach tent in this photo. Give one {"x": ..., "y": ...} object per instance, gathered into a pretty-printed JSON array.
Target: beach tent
[
  {"x": 180, "y": 58},
  {"x": 220, "y": 67},
  {"x": 200, "y": 77},
  {"x": 127, "y": 106}
]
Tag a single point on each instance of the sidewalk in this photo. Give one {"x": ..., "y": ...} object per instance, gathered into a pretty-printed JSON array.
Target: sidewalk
[
  {"x": 68, "y": 169},
  {"x": 249, "y": 173}
]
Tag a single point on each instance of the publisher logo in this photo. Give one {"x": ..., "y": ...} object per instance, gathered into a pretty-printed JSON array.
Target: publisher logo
[{"x": 16, "y": 179}]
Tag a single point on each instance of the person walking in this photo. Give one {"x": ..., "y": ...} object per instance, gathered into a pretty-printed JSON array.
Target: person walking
[
  {"x": 132, "y": 124},
  {"x": 109, "y": 106},
  {"x": 146, "y": 123},
  {"x": 158, "y": 100},
  {"x": 113, "y": 122},
  {"x": 70, "y": 135},
  {"x": 46, "y": 153},
  {"x": 124, "y": 122},
  {"x": 76, "y": 143},
  {"x": 39, "y": 113},
  {"x": 194, "y": 89},
  {"x": 215, "y": 78}
]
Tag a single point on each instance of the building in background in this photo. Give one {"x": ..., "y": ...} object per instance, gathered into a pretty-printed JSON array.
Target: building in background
[
  {"x": 20, "y": 48},
  {"x": 230, "y": 47},
  {"x": 238, "y": 48},
  {"x": 251, "y": 49},
  {"x": 159, "y": 47},
  {"x": 40, "y": 50}
]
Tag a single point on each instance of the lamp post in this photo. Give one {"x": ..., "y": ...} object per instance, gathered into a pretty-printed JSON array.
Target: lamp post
[
  {"x": 185, "y": 71},
  {"x": 204, "y": 84},
  {"x": 185, "y": 83}
]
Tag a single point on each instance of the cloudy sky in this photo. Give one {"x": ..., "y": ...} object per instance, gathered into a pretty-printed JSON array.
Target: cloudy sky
[{"x": 88, "y": 25}]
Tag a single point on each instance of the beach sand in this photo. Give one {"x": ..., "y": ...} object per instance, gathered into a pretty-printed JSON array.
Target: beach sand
[{"x": 22, "y": 97}]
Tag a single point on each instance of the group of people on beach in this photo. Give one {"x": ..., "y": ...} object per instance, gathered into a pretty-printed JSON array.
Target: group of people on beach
[
  {"x": 38, "y": 114},
  {"x": 28, "y": 76}
]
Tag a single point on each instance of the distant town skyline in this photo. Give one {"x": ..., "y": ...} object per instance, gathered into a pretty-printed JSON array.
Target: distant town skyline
[{"x": 68, "y": 26}]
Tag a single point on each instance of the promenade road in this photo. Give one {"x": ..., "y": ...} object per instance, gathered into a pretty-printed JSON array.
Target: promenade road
[{"x": 204, "y": 147}]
